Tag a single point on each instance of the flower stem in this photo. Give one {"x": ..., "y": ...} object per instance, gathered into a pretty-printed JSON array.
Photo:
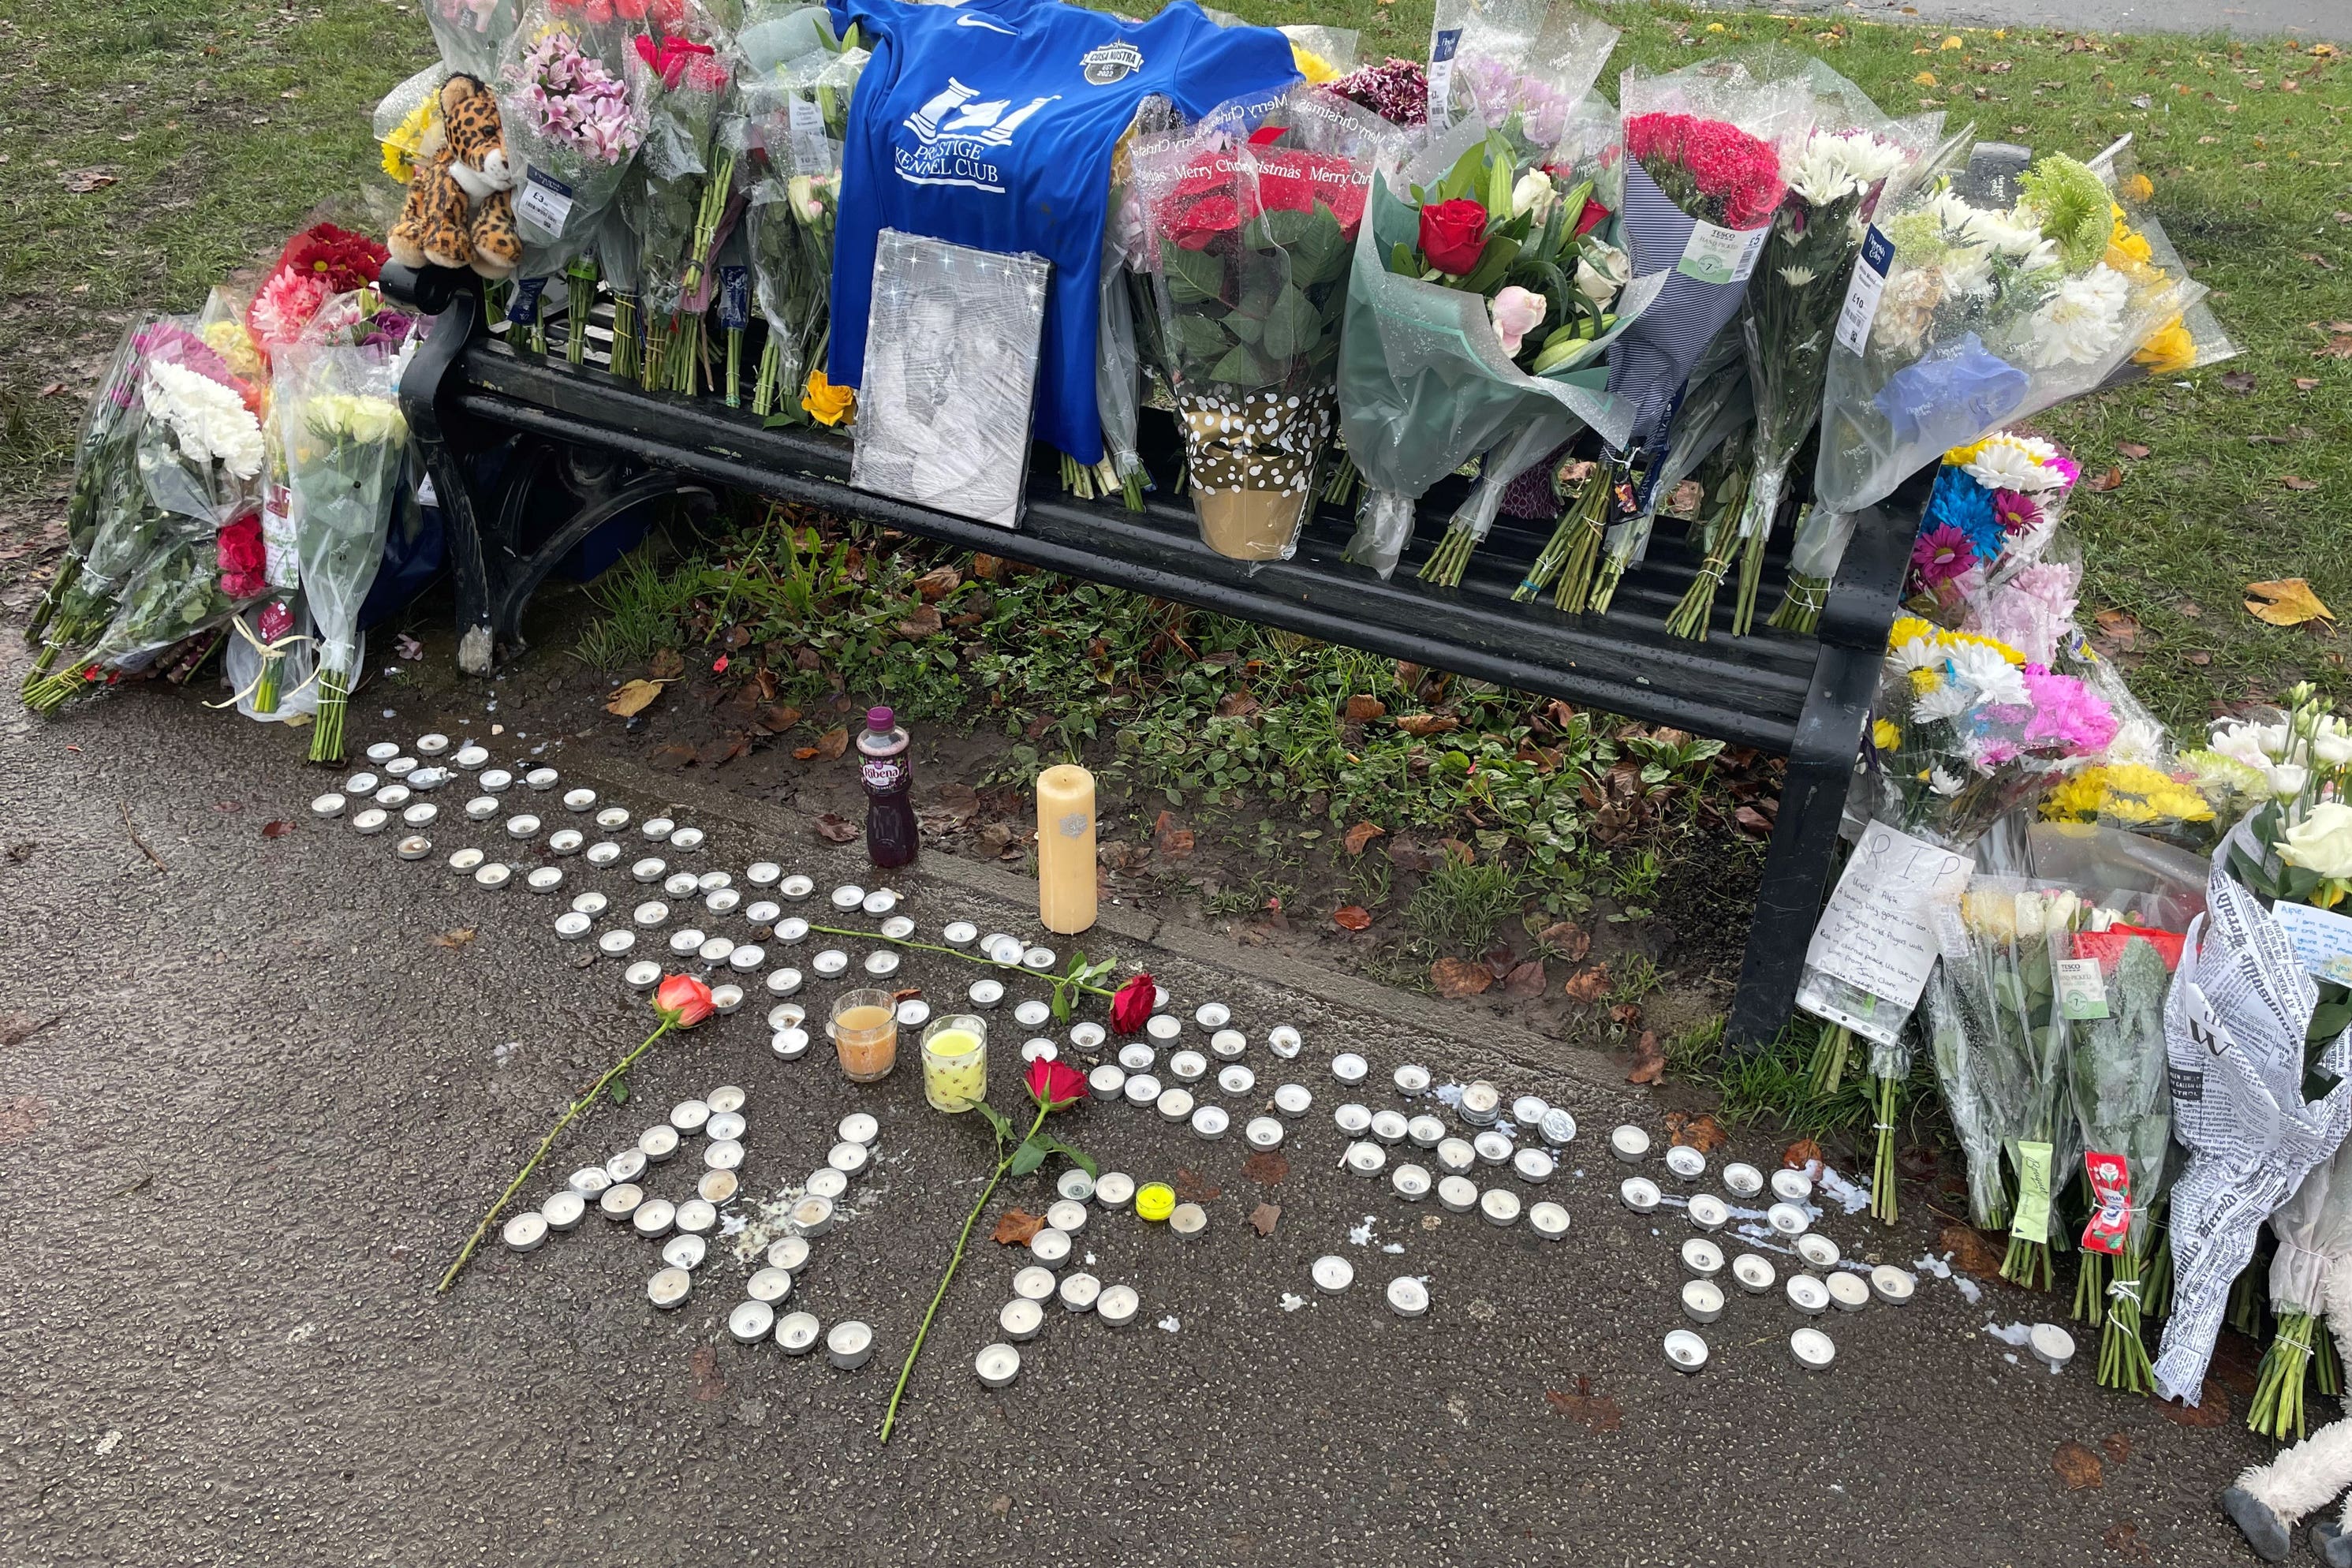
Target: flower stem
[
  {"x": 570, "y": 1114},
  {"x": 1882, "y": 1167},
  {"x": 1059, "y": 982},
  {"x": 955, "y": 1261}
]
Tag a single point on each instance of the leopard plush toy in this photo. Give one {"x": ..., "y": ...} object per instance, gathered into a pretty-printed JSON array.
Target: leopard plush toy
[{"x": 459, "y": 212}]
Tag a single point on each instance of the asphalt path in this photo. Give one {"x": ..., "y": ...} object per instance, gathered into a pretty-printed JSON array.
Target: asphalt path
[{"x": 278, "y": 1092}]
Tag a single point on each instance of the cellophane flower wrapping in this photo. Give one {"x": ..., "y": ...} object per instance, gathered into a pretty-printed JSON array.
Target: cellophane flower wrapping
[
  {"x": 1717, "y": 406},
  {"x": 680, "y": 68},
  {"x": 345, "y": 442},
  {"x": 1986, "y": 315},
  {"x": 107, "y": 510},
  {"x": 1251, "y": 221},
  {"x": 1428, "y": 376},
  {"x": 1498, "y": 60},
  {"x": 1704, "y": 145},
  {"x": 1836, "y": 175},
  {"x": 1966, "y": 730},
  {"x": 408, "y": 117},
  {"x": 470, "y": 33},
  {"x": 2196, "y": 339},
  {"x": 798, "y": 85},
  {"x": 950, "y": 375},
  {"x": 571, "y": 126}
]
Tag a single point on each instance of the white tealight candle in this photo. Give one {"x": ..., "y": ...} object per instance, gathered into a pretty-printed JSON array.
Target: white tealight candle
[
  {"x": 795, "y": 887},
  {"x": 1163, "y": 1027},
  {"x": 589, "y": 1182},
  {"x": 770, "y": 1285},
  {"x": 1034, "y": 1283},
  {"x": 1114, "y": 1189},
  {"x": 658, "y": 1142},
  {"x": 687, "y": 840},
  {"x": 1456, "y": 1157},
  {"x": 1808, "y": 1295},
  {"x": 1353, "y": 1119},
  {"x": 1332, "y": 1274},
  {"x": 1283, "y": 1041},
  {"x": 1293, "y": 1100},
  {"x": 1788, "y": 1219},
  {"x": 566, "y": 841},
  {"x": 789, "y": 1254},
  {"x": 880, "y": 901},
  {"x": 1639, "y": 1193},
  {"x": 697, "y": 1217},
  {"x": 1031, "y": 1014},
  {"x": 1142, "y": 1089},
  {"x": 465, "y": 862},
  {"x": 783, "y": 982},
  {"x": 649, "y": 869},
  {"x": 1685, "y": 1351},
  {"x": 382, "y": 752},
  {"x": 830, "y": 962},
  {"x": 374, "y": 820},
  {"x": 1078, "y": 1292},
  {"x": 1349, "y": 1067},
  {"x": 1480, "y": 1103},
  {"x": 1547, "y": 1220},
  {"x": 1067, "y": 1216},
  {"x": 1020, "y": 1319},
  {"x": 415, "y": 847},
  {"x": 825, "y": 1182},
  {"x": 1817, "y": 1251},
  {"x": 722, "y": 1154},
  {"x": 997, "y": 1365},
  {"x": 717, "y": 1188},
  {"x": 1685, "y": 1162},
  {"x": 601, "y": 854},
  {"x": 493, "y": 875},
  {"x": 1701, "y": 1259},
  {"x": 684, "y": 942},
  {"x": 1702, "y": 1300},
  {"x": 657, "y": 828},
  {"x": 1529, "y": 1110},
  {"x": 811, "y": 1217},
  {"x": 544, "y": 880},
  {"x": 1108, "y": 1081},
  {"x": 1892, "y": 1285},
  {"x": 1210, "y": 1122},
  {"x": 1366, "y": 1159},
  {"x": 654, "y": 1217},
  {"x": 626, "y": 1165},
  {"x": 1628, "y": 1143},
  {"x": 2052, "y": 1346},
  {"x": 960, "y": 933},
  {"x": 1228, "y": 1044},
  {"x": 1500, "y": 1206},
  {"x": 1188, "y": 1221},
  {"x": 1176, "y": 1105},
  {"x": 400, "y": 767},
  {"x": 750, "y": 1321},
  {"x": 1492, "y": 1148},
  {"x": 1410, "y": 1078},
  {"x": 526, "y": 1232},
  {"x": 1848, "y": 1292},
  {"x": 523, "y": 827},
  {"x": 1745, "y": 1180},
  {"x": 1813, "y": 1349},
  {"x": 1075, "y": 1186},
  {"x": 850, "y": 1344},
  {"x": 613, "y": 818},
  {"x": 1117, "y": 1305},
  {"x": 496, "y": 781},
  {"x": 1708, "y": 1212},
  {"x": 1188, "y": 1067},
  {"x": 1459, "y": 1194},
  {"x": 1410, "y": 1183},
  {"x": 620, "y": 1201},
  {"x": 1237, "y": 1080},
  {"x": 361, "y": 784},
  {"x": 684, "y": 1252},
  {"x": 619, "y": 944},
  {"x": 1136, "y": 1057},
  {"x": 1558, "y": 1127},
  {"x": 328, "y": 805},
  {"x": 1263, "y": 1133},
  {"x": 1534, "y": 1166},
  {"x": 1389, "y": 1126},
  {"x": 789, "y": 1043},
  {"x": 1426, "y": 1132},
  {"x": 669, "y": 1289},
  {"x": 679, "y": 884},
  {"x": 1791, "y": 1186},
  {"x": 579, "y": 799},
  {"x": 796, "y": 1333},
  {"x": 1755, "y": 1274},
  {"x": 1408, "y": 1297}
]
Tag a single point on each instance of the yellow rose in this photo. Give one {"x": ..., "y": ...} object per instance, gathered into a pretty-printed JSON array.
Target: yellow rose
[
  {"x": 2169, "y": 352},
  {"x": 827, "y": 404}
]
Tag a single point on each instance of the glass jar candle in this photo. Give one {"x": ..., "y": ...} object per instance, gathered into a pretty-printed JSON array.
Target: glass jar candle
[
  {"x": 866, "y": 1034},
  {"x": 955, "y": 1062}
]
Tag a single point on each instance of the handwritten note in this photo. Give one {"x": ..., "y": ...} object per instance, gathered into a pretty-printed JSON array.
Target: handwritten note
[
  {"x": 2322, "y": 939},
  {"x": 1876, "y": 933}
]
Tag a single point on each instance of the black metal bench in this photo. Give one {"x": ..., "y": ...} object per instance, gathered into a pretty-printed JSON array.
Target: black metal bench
[{"x": 614, "y": 448}]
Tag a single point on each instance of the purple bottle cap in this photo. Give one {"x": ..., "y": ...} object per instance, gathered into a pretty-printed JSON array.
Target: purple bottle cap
[{"x": 881, "y": 719}]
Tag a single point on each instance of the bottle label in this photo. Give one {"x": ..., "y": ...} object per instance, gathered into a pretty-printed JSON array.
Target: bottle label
[{"x": 882, "y": 774}]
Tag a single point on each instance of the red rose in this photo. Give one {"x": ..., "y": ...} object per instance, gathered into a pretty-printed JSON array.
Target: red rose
[
  {"x": 243, "y": 558},
  {"x": 683, "y": 1001},
  {"x": 1131, "y": 1008},
  {"x": 1054, "y": 1085},
  {"x": 1593, "y": 216},
  {"x": 1453, "y": 234}
]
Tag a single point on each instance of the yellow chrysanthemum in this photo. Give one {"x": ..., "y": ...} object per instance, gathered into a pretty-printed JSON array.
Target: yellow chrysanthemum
[
  {"x": 1885, "y": 735},
  {"x": 407, "y": 141},
  {"x": 1910, "y": 629},
  {"x": 1960, "y": 456},
  {"x": 2131, "y": 793},
  {"x": 1312, "y": 65},
  {"x": 1923, "y": 682},
  {"x": 229, "y": 340},
  {"x": 826, "y": 402},
  {"x": 2139, "y": 187},
  {"x": 2077, "y": 799},
  {"x": 2171, "y": 351},
  {"x": 2128, "y": 250}
]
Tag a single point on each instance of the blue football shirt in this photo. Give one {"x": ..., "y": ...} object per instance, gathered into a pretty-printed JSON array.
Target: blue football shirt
[{"x": 992, "y": 124}]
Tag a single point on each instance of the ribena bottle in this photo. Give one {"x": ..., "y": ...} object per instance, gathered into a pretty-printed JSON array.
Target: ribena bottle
[{"x": 888, "y": 773}]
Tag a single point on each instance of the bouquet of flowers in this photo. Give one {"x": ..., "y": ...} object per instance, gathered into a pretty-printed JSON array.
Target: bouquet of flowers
[
  {"x": 1991, "y": 514},
  {"x": 798, "y": 107},
  {"x": 1702, "y": 181},
  {"x": 1397, "y": 91},
  {"x": 1717, "y": 405},
  {"x": 616, "y": 265},
  {"x": 2123, "y": 1110},
  {"x": 106, "y": 507},
  {"x": 680, "y": 69},
  {"x": 1464, "y": 322},
  {"x": 1251, "y": 224},
  {"x": 1983, "y": 316},
  {"x": 2313, "y": 1229},
  {"x": 572, "y": 127},
  {"x": 470, "y": 33},
  {"x": 407, "y": 121},
  {"x": 316, "y": 266},
  {"x": 1836, "y": 176},
  {"x": 344, "y": 440}
]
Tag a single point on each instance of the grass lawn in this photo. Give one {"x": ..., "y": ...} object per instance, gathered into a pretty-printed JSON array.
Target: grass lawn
[{"x": 153, "y": 146}]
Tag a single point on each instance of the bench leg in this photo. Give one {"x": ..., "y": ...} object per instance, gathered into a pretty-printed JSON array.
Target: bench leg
[
  {"x": 523, "y": 574},
  {"x": 1804, "y": 843},
  {"x": 461, "y": 525}
]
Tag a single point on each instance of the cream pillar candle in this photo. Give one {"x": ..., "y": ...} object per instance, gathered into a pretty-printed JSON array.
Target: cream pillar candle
[{"x": 1065, "y": 849}]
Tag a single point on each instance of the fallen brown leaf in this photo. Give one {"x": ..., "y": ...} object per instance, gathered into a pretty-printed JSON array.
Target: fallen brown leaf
[
  {"x": 1587, "y": 985},
  {"x": 922, "y": 621},
  {"x": 2339, "y": 346},
  {"x": 1969, "y": 1252},
  {"x": 2132, "y": 450},
  {"x": 1751, "y": 820},
  {"x": 1460, "y": 977},
  {"x": 1352, "y": 917},
  {"x": 1649, "y": 1059},
  {"x": 2306, "y": 382},
  {"x": 1236, "y": 705},
  {"x": 1626, "y": 1014},
  {"x": 1363, "y": 833},
  {"x": 987, "y": 568},
  {"x": 2287, "y": 602},
  {"x": 2117, "y": 1447},
  {"x": 1526, "y": 980},
  {"x": 2078, "y": 1467},
  {"x": 1701, "y": 1132},
  {"x": 457, "y": 938},
  {"x": 676, "y": 756},
  {"x": 1565, "y": 938},
  {"x": 778, "y": 717},
  {"x": 832, "y": 744},
  {"x": 936, "y": 584},
  {"x": 2297, "y": 482},
  {"x": 1172, "y": 842},
  {"x": 1363, "y": 709},
  {"x": 1267, "y": 1168},
  {"x": 2111, "y": 480},
  {"x": 276, "y": 829},
  {"x": 709, "y": 1384},
  {"x": 667, "y": 664},
  {"x": 1805, "y": 1155},
  {"x": 835, "y": 829},
  {"x": 2240, "y": 382},
  {"x": 721, "y": 750},
  {"x": 1016, "y": 1227},
  {"x": 1598, "y": 1411},
  {"x": 1262, "y": 1217},
  {"x": 1421, "y": 724},
  {"x": 81, "y": 182},
  {"x": 2119, "y": 625},
  {"x": 2122, "y": 1538},
  {"x": 1195, "y": 1188}
]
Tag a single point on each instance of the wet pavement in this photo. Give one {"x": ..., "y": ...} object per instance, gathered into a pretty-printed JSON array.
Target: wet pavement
[{"x": 279, "y": 1090}]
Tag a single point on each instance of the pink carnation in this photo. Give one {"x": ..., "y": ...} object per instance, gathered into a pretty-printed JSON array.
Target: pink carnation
[
  {"x": 285, "y": 305},
  {"x": 2067, "y": 712}
]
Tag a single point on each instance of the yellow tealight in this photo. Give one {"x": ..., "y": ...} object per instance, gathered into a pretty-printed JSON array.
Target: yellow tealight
[{"x": 1155, "y": 1200}]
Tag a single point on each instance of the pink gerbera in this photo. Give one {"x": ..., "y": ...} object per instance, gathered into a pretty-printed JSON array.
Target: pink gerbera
[{"x": 1941, "y": 554}]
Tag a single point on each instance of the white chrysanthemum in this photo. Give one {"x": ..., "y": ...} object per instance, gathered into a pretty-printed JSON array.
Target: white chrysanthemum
[
  {"x": 2007, "y": 462},
  {"x": 2082, "y": 323},
  {"x": 1942, "y": 783},
  {"x": 1824, "y": 171},
  {"x": 2137, "y": 741},
  {"x": 1983, "y": 670},
  {"x": 210, "y": 421},
  {"x": 1798, "y": 277},
  {"x": 1919, "y": 653},
  {"x": 1949, "y": 700},
  {"x": 1966, "y": 270}
]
